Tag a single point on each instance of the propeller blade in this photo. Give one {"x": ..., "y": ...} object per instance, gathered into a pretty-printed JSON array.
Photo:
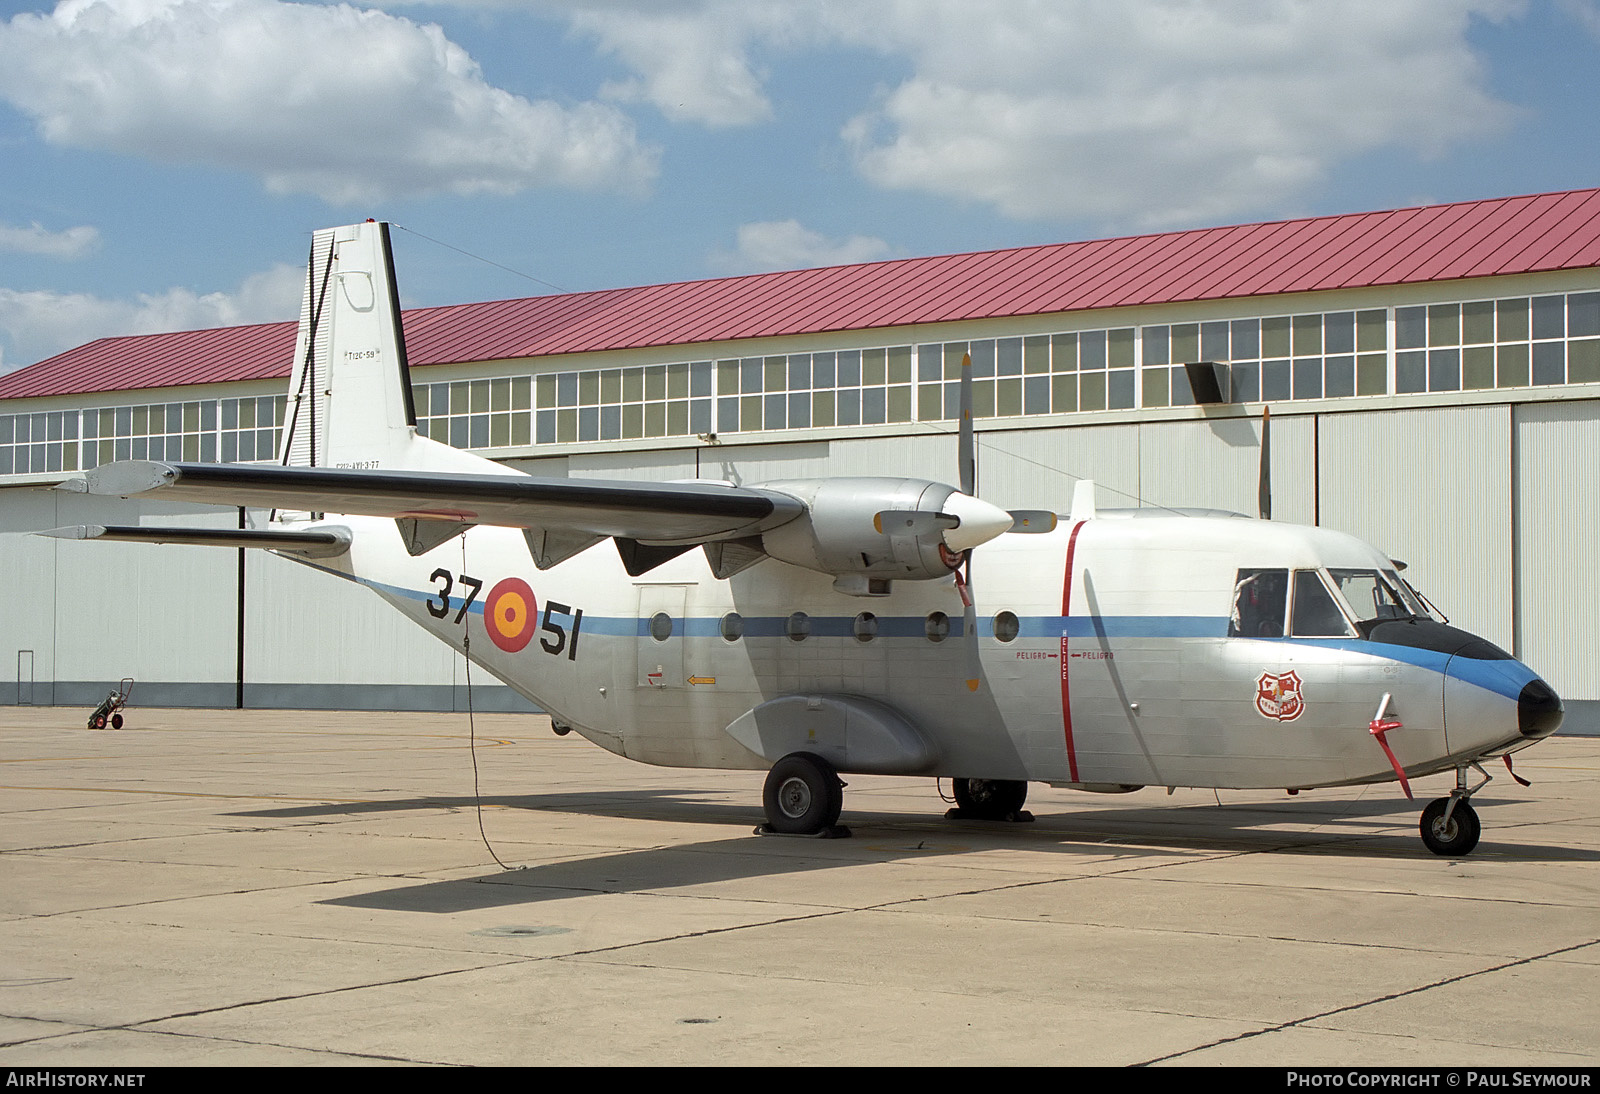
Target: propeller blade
[
  {"x": 1033, "y": 521},
  {"x": 1264, "y": 490},
  {"x": 913, "y": 522},
  {"x": 966, "y": 454}
]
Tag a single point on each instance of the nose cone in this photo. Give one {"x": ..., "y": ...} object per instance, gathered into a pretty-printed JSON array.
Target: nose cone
[
  {"x": 1539, "y": 710},
  {"x": 980, "y": 521}
]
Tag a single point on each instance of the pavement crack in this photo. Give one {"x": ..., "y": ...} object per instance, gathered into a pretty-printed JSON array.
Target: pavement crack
[{"x": 1351, "y": 1007}]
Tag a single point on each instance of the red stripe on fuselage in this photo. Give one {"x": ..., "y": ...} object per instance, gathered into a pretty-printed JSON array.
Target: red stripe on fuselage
[{"x": 1066, "y": 683}]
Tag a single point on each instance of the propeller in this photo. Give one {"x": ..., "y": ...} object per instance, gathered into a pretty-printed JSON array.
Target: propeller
[
  {"x": 967, "y": 456},
  {"x": 965, "y": 522},
  {"x": 1264, "y": 489}
]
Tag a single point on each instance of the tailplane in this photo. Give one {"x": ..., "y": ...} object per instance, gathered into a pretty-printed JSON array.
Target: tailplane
[{"x": 350, "y": 389}]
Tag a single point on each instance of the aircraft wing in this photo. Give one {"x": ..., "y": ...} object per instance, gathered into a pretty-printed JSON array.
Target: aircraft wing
[{"x": 577, "y": 509}]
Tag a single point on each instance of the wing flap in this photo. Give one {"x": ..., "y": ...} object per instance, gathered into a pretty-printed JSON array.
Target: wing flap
[{"x": 323, "y": 543}]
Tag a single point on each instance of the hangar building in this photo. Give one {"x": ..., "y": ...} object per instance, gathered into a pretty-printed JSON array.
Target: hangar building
[{"x": 1433, "y": 375}]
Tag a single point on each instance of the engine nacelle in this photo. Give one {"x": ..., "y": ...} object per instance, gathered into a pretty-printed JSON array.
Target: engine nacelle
[{"x": 840, "y": 535}]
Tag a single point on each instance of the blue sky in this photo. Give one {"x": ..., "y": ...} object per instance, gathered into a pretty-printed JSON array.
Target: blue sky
[{"x": 163, "y": 161}]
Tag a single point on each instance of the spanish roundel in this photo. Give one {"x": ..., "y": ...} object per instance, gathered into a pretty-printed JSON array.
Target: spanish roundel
[{"x": 509, "y": 614}]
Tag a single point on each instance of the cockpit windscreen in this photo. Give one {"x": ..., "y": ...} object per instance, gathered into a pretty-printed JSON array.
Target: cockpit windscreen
[{"x": 1373, "y": 595}]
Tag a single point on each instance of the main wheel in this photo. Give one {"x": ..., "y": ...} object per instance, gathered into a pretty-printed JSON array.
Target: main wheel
[
  {"x": 989, "y": 799},
  {"x": 1457, "y": 837},
  {"x": 803, "y": 794}
]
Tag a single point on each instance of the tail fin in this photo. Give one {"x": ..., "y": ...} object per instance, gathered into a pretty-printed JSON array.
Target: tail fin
[{"x": 350, "y": 389}]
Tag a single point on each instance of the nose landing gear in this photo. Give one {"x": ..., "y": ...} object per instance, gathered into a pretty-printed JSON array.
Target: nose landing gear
[{"x": 1450, "y": 826}]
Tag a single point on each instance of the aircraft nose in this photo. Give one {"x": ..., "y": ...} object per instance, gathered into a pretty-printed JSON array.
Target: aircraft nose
[{"x": 1539, "y": 710}]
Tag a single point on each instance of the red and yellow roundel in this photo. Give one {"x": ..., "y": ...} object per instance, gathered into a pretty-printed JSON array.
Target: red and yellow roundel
[{"x": 509, "y": 614}]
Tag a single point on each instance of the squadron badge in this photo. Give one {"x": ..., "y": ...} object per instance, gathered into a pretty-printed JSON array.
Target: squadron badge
[{"x": 1278, "y": 696}]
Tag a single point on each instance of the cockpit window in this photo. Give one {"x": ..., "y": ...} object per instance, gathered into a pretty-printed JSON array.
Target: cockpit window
[
  {"x": 1376, "y": 596},
  {"x": 1259, "y": 600},
  {"x": 1315, "y": 613}
]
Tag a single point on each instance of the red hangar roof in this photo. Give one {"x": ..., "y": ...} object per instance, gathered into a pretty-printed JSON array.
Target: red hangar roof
[{"x": 1537, "y": 232}]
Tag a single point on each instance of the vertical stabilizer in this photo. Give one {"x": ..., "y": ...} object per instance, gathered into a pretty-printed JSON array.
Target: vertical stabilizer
[
  {"x": 350, "y": 388},
  {"x": 350, "y": 391}
]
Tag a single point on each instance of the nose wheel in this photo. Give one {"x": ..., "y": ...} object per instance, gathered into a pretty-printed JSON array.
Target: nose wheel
[
  {"x": 1447, "y": 831},
  {"x": 1450, "y": 826}
]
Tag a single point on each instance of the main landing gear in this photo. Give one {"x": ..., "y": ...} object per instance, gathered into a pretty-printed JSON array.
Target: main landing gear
[
  {"x": 989, "y": 799},
  {"x": 803, "y": 797},
  {"x": 1450, "y": 826}
]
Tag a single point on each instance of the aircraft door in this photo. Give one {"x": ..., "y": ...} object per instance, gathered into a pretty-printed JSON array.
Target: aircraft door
[{"x": 660, "y": 637}]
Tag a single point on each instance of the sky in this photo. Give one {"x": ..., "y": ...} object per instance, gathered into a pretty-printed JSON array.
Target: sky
[{"x": 163, "y": 162}]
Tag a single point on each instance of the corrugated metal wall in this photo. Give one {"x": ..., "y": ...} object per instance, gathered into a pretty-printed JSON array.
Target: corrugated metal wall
[{"x": 1557, "y": 477}]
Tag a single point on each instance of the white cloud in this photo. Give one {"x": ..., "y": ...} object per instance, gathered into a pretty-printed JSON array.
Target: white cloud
[
  {"x": 348, "y": 104},
  {"x": 692, "y": 60},
  {"x": 788, "y": 245},
  {"x": 1166, "y": 112},
  {"x": 1153, "y": 113},
  {"x": 1586, "y": 13},
  {"x": 36, "y": 240},
  {"x": 40, "y": 324}
]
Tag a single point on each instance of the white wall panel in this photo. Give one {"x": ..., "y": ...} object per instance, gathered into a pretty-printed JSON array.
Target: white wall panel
[
  {"x": 751, "y": 464},
  {"x": 1558, "y": 545},
  {"x": 1216, "y": 464},
  {"x": 151, "y": 611},
  {"x": 1038, "y": 469},
  {"x": 306, "y": 627},
  {"x": 29, "y": 563},
  {"x": 662, "y": 466},
  {"x": 1432, "y": 488}
]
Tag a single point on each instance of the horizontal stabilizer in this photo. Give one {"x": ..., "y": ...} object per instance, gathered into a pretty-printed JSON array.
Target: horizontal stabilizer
[
  {"x": 651, "y": 512},
  {"x": 323, "y": 543}
]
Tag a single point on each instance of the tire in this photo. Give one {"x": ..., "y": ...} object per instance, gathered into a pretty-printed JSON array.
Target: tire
[
  {"x": 989, "y": 799},
  {"x": 98, "y": 721},
  {"x": 116, "y": 721},
  {"x": 803, "y": 795},
  {"x": 1458, "y": 837}
]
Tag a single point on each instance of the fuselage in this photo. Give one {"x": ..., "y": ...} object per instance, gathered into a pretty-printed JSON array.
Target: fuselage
[{"x": 1115, "y": 653}]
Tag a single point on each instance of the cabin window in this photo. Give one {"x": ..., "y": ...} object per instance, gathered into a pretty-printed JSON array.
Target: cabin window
[
  {"x": 937, "y": 626},
  {"x": 1259, "y": 600},
  {"x": 1316, "y": 615},
  {"x": 866, "y": 627},
  {"x": 1006, "y": 627},
  {"x": 661, "y": 626},
  {"x": 798, "y": 626},
  {"x": 732, "y": 627}
]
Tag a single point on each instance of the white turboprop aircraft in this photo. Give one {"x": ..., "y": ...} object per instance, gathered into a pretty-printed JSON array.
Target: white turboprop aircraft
[{"x": 826, "y": 625}]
